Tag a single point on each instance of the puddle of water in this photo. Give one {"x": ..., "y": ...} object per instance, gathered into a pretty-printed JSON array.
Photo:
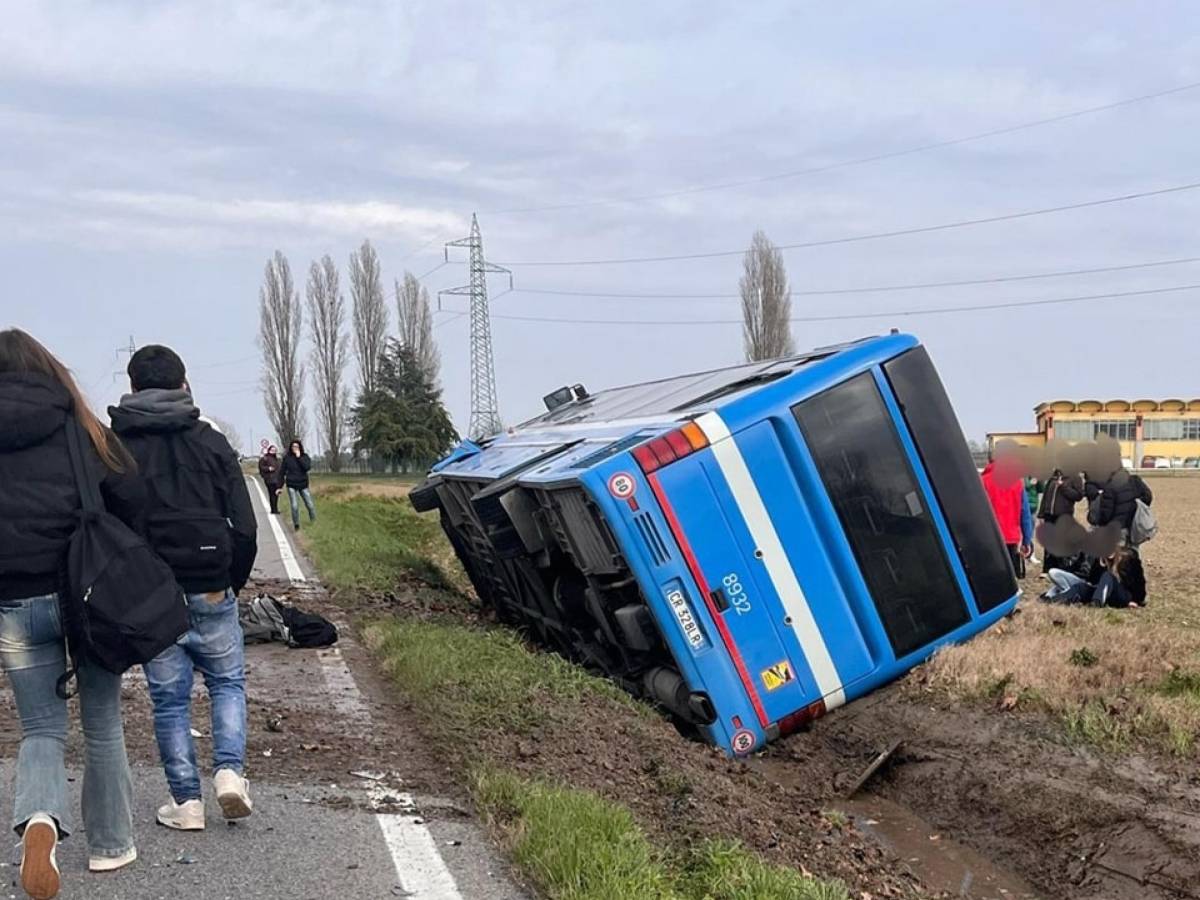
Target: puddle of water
[{"x": 941, "y": 863}]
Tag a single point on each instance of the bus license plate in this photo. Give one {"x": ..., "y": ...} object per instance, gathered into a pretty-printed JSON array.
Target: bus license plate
[{"x": 687, "y": 621}]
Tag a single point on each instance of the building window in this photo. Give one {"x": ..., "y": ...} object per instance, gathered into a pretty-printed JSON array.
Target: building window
[
  {"x": 1073, "y": 430},
  {"x": 1120, "y": 429},
  {"x": 1191, "y": 429},
  {"x": 1164, "y": 429}
]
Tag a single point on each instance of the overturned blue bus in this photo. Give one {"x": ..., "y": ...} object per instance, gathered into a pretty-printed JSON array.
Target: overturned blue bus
[{"x": 748, "y": 547}]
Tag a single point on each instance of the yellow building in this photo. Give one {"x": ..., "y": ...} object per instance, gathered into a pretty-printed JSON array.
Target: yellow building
[{"x": 1151, "y": 432}]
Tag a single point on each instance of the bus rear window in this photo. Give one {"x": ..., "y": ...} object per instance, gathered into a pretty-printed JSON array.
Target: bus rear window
[
  {"x": 943, "y": 449},
  {"x": 872, "y": 486}
]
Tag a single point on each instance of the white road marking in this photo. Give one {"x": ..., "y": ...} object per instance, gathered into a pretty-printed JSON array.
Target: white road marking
[
  {"x": 290, "y": 565},
  {"x": 779, "y": 568},
  {"x": 419, "y": 867}
]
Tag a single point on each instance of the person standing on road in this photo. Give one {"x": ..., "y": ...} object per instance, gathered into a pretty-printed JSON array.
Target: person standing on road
[
  {"x": 270, "y": 470},
  {"x": 295, "y": 475},
  {"x": 1061, "y": 495},
  {"x": 39, "y": 507},
  {"x": 1010, "y": 504},
  {"x": 200, "y": 521}
]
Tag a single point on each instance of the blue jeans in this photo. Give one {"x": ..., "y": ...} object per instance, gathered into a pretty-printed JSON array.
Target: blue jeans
[
  {"x": 33, "y": 656},
  {"x": 214, "y": 646},
  {"x": 294, "y": 495}
]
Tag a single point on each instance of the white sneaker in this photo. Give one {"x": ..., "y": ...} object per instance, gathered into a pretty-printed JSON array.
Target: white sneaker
[
  {"x": 39, "y": 865},
  {"x": 112, "y": 863},
  {"x": 233, "y": 793},
  {"x": 187, "y": 816}
]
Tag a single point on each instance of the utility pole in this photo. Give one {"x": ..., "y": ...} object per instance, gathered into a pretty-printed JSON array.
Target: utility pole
[
  {"x": 485, "y": 409},
  {"x": 131, "y": 349}
]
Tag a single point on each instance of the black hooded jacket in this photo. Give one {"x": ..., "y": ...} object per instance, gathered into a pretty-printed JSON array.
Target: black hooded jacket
[
  {"x": 295, "y": 469},
  {"x": 38, "y": 498},
  {"x": 1116, "y": 498},
  {"x": 199, "y": 517}
]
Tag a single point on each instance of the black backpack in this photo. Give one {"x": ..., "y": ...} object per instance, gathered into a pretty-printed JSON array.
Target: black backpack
[
  {"x": 309, "y": 629},
  {"x": 121, "y": 604}
]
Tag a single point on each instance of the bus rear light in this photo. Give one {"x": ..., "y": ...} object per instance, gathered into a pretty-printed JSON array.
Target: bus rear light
[
  {"x": 672, "y": 446},
  {"x": 795, "y": 721}
]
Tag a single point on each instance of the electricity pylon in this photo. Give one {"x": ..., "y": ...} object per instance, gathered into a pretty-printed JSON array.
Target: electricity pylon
[{"x": 485, "y": 409}]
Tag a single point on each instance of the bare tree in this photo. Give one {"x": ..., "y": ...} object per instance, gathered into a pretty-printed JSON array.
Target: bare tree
[
  {"x": 766, "y": 301},
  {"x": 330, "y": 354},
  {"x": 231, "y": 434},
  {"x": 280, "y": 323},
  {"x": 415, "y": 320},
  {"x": 370, "y": 313}
]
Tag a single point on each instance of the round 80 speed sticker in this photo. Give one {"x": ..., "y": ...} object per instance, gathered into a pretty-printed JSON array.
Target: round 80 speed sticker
[
  {"x": 743, "y": 742},
  {"x": 622, "y": 485}
]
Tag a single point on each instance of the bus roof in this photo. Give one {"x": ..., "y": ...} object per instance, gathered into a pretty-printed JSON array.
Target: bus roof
[{"x": 678, "y": 396}]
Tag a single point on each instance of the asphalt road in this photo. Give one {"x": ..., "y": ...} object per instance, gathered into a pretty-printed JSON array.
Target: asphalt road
[{"x": 362, "y": 837}]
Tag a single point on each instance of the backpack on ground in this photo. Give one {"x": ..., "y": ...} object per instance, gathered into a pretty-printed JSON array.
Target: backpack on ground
[
  {"x": 1144, "y": 525},
  {"x": 309, "y": 629},
  {"x": 262, "y": 622},
  {"x": 267, "y": 620},
  {"x": 121, "y": 605}
]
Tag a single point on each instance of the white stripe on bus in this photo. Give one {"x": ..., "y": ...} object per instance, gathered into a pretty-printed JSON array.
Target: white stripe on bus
[{"x": 779, "y": 568}]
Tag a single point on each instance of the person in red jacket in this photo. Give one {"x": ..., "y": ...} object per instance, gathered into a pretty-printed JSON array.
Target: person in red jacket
[{"x": 1006, "y": 493}]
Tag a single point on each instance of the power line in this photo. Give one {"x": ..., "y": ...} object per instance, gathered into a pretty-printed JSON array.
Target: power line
[
  {"x": 869, "y": 289},
  {"x": 856, "y": 161},
  {"x": 877, "y": 314},
  {"x": 879, "y": 235}
]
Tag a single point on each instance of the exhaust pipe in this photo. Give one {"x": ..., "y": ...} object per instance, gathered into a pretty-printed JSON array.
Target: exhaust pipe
[{"x": 669, "y": 689}]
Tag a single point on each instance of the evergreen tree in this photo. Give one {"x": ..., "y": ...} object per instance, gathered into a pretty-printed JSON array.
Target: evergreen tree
[{"x": 402, "y": 419}]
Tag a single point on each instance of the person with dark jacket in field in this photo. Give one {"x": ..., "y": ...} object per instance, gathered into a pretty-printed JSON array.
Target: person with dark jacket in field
[
  {"x": 295, "y": 475},
  {"x": 200, "y": 521},
  {"x": 1114, "y": 499},
  {"x": 1059, "y": 499},
  {"x": 39, "y": 508},
  {"x": 270, "y": 469}
]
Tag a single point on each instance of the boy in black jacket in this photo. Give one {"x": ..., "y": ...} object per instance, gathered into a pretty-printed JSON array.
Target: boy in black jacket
[{"x": 200, "y": 520}]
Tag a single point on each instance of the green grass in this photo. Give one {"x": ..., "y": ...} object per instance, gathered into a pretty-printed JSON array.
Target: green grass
[
  {"x": 577, "y": 846},
  {"x": 475, "y": 680},
  {"x": 369, "y": 543},
  {"x": 1179, "y": 683}
]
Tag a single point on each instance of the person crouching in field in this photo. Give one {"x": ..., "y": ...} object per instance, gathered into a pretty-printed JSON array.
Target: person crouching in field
[
  {"x": 200, "y": 521},
  {"x": 1118, "y": 581},
  {"x": 1010, "y": 505}
]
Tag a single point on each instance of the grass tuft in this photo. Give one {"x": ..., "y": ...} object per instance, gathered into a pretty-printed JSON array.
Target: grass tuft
[
  {"x": 577, "y": 846},
  {"x": 1082, "y": 656}
]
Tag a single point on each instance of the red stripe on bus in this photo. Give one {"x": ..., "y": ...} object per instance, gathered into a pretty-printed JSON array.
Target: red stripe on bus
[{"x": 702, "y": 585}]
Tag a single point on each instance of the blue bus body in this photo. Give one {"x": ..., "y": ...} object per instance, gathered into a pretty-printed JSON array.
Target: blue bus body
[{"x": 748, "y": 547}]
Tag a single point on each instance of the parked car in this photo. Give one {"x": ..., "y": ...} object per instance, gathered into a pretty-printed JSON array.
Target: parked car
[
  {"x": 1156, "y": 462},
  {"x": 1192, "y": 462}
]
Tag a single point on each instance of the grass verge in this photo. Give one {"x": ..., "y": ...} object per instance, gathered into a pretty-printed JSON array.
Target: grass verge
[
  {"x": 474, "y": 680},
  {"x": 577, "y": 846},
  {"x": 365, "y": 539}
]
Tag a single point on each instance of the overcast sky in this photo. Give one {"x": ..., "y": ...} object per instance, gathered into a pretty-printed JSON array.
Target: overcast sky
[{"x": 153, "y": 156}]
